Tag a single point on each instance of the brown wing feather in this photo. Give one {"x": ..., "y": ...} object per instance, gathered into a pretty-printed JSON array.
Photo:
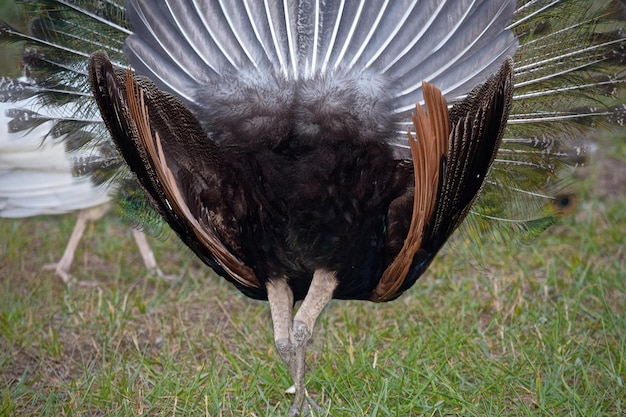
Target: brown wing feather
[
  {"x": 151, "y": 141},
  {"x": 140, "y": 122},
  {"x": 433, "y": 131},
  {"x": 478, "y": 125},
  {"x": 450, "y": 160}
]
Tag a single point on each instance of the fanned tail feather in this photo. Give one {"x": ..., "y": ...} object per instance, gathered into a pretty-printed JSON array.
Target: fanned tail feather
[
  {"x": 569, "y": 77},
  {"x": 569, "y": 68}
]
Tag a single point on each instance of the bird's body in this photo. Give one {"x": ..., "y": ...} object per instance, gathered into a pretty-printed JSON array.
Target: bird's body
[
  {"x": 315, "y": 212},
  {"x": 272, "y": 136},
  {"x": 301, "y": 218}
]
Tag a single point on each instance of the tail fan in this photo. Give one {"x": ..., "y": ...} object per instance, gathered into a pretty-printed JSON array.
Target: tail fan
[{"x": 568, "y": 54}]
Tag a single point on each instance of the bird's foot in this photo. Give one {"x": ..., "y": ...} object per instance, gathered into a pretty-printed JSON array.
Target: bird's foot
[
  {"x": 59, "y": 271},
  {"x": 305, "y": 407},
  {"x": 156, "y": 271},
  {"x": 303, "y": 404},
  {"x": 66, "y": 277}
]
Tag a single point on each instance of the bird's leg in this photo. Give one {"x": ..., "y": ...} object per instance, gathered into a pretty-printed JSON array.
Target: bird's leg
[
  {"x": 280, "y": 298},
  {"x": 144, "y": 249},
  {"x": 319, "y": 294},
  {"x": 148, "y": 256},
  {"x": 62, "y": 268}
]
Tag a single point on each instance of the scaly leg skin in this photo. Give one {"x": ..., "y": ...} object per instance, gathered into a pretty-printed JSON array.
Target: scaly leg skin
[
  {"x": 319, "y": 294},
  {"x": 280, "y": 298},
  {"x": 303, "y": 404}
]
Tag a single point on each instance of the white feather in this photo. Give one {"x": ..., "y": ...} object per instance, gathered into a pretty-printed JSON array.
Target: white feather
[{"x": 36, "y": 174}]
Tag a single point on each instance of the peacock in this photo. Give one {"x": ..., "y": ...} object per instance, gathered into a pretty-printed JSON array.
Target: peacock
[
  {"x": 309, "y": 151},
  {"x": 36, "y": 179}
]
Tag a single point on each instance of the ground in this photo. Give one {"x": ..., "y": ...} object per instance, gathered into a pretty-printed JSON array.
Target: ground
[{"x": 531, "y": 329}]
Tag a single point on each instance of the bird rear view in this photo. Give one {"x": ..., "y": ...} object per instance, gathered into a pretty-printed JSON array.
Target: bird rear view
[
  {"x": 304, "y": 217},
  {"x": 286, "y": 144}
]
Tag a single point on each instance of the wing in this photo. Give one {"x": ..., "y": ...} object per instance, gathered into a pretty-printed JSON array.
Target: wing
[
  {"x": 451, "y": 158},
  {"x": 36, "y": 175},
  {"x": 178, "y": 167}
]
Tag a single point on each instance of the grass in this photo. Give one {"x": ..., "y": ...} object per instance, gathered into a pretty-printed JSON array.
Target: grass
[
  {"x": 536, "y": 329},
  {"x": 10, "y": 53}
]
